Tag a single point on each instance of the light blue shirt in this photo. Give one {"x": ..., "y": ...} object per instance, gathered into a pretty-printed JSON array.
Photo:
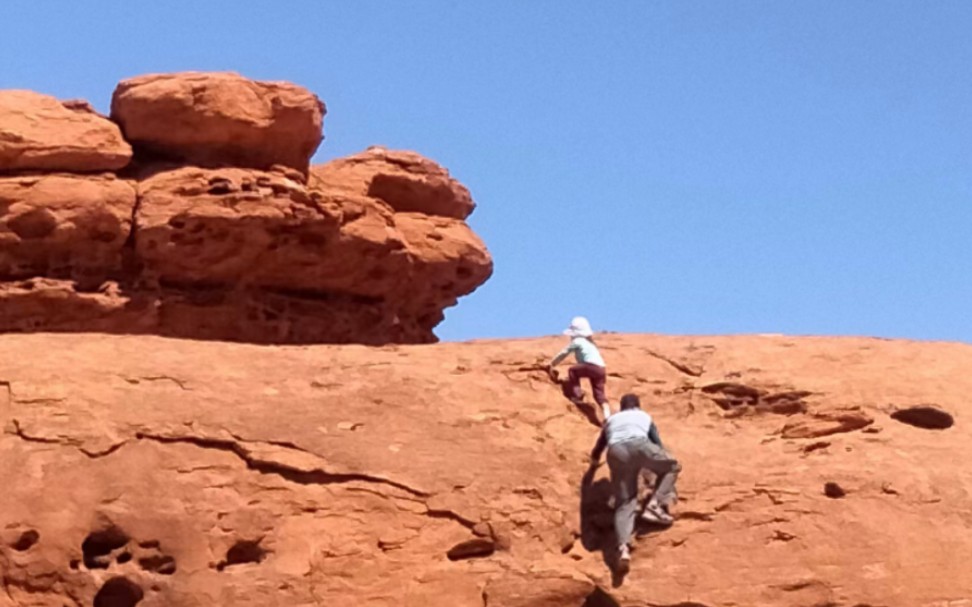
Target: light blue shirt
[{"x": 584, "y": 351}]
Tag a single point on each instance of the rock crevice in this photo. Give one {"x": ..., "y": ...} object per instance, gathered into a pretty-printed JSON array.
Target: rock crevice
[{"x": 291, "y": 471}]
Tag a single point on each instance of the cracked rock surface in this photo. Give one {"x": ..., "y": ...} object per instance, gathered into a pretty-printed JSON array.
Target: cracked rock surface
[{"x": 151, "y": 471}]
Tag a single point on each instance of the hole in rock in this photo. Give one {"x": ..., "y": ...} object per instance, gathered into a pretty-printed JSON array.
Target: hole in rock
[
  {"x": 123, "y": 558},
  {"x": 118, "y": 592},
  {"x": 310, "y": 240},
  {"x": 833, "y": 490},
  {"x": 477, "y": 547},
  {"x": 243, "y": 551},
  {"x": 159, "y": 563},
  {"x": 26, "y": 540},
  {"x": 599, "y": 598},
  {"x": 220, "y": 187},
  {"x": 924, "y": 416},
  {"x": 732, "y": 396},
  {"x": 34, "y": 224},
  {"x": 816, "y": 446},
  {"x": 100, "y": 544},
  {"x": 75, "y": 563},
  {"x": 732, "y": 389}
]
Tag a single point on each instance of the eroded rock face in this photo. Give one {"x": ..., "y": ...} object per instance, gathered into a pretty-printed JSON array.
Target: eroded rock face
[
  {"x": 228, "y": 254},
  {"x": 64, "y": 226},
  {"x": 219, "y": 119},
  {"x": 406, "y": 181},
  {"x": 40, "y": 133},
  {"x": 231, "y": 227},
  {"x": 214, "y": 232},
  {"x": 189, "y": 474},
  {"x": 234, "y": 246},
  {"x": 45, "y": 304},
  {"x": 448, "y": 261}
]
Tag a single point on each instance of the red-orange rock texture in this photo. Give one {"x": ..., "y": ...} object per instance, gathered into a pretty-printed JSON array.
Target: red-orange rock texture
[
  {"x": 405, "y": 181},
  {"x": 63, "y": 226},
  {"x": 157, "y": 472},
  {"x": 220, "y": 119},
  {"x": 213, "y": 232},
  {"x": 40, "y": 133}
]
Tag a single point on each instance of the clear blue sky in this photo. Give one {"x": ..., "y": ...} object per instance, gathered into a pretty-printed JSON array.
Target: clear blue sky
[{"x": 674, "y": 167}]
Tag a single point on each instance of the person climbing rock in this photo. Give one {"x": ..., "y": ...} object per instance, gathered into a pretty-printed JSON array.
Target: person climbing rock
[
  {"x": 633, "y": 444},
  {"x": 590, "y": 364}
]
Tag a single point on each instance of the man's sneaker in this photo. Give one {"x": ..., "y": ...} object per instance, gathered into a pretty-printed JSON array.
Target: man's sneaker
[
  {"x": 624, "y": 559},
  {"x": 656, "y": 514}
]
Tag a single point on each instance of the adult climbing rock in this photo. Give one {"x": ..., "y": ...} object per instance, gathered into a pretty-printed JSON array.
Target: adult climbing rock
[{"x": 633, "y": 444}]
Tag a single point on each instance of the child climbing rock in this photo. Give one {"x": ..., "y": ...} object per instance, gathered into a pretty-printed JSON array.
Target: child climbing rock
[{"x": 590, "y": 364}]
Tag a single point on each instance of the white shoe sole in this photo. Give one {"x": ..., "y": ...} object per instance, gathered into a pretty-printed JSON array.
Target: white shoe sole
[{"x": 652, "y": 518}]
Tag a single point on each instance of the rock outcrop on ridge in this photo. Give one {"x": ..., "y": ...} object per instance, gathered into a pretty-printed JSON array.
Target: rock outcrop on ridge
[
  {"x": 220, "y": 119},
  {"x": 40, "y": 133},
  {"x": 140, "y": 470},
  {"x": 218, "y": 228},
  {"x": 406, "y": 181}
]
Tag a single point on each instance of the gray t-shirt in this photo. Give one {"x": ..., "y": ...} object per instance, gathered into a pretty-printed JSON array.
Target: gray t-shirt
[{"x": 627, "y": 425}]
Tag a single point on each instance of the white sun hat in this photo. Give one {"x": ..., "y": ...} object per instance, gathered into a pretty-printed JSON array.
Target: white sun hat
[{"x": 579, "y": 327}]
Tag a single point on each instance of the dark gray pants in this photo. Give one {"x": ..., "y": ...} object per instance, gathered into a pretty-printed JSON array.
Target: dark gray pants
[{"x": 626, "y": 461}]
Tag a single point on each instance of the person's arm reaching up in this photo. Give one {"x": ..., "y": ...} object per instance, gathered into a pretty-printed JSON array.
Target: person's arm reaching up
[{"x": 562, "y": 355}]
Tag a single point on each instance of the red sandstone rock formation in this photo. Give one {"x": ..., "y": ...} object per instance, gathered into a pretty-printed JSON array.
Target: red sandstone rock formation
[
  {"x": 157, "y": 472},
  {"x": 40, "y": 133},
  {"x": 234, "y": 251},
  {"x": 404, "y": 180},
  {"x": 220, "y": 119},
  {"x": 63, "y": 226}
]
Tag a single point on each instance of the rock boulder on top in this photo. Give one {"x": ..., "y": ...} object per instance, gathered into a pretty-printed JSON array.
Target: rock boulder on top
[
  {"x": 219, "y": 119},
  {"x": 406, "y": 181},
  {"x": 40, "y": 133}
]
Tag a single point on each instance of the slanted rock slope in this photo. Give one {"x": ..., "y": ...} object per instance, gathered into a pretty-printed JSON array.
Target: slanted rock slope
[{"x": 150, "y": 471}]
